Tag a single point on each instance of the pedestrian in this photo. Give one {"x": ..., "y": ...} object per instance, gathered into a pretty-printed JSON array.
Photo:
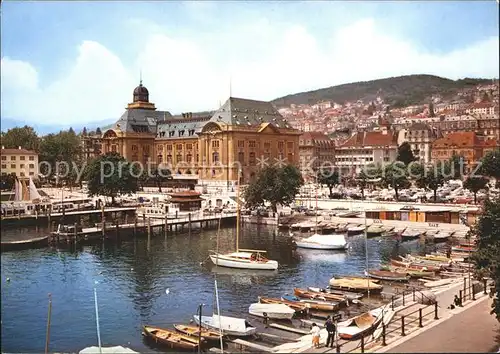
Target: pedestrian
[
  {"x": 457, "y": 301},
  {"x": 330, "y": 328},
  {"x": 315, "y": 335},
  {"x": 266, "y": 319}
]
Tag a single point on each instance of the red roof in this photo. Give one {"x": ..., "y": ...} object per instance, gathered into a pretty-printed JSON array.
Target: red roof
[
  {"x": 459, "y": 139},
  {"x": 18, "y": 152},
  {"x": 371, "y": 139}
]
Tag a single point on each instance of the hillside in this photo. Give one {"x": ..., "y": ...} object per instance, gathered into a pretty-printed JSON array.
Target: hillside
[{"x": 396, "y": 91}]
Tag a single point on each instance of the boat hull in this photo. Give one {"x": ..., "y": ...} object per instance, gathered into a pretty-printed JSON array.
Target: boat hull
[
  {"x": 208, "y": 323},
  {"x": 229, "y": 262},
  {"x": 171, "y": 340},
  {"x": 319, "y": 246},
  {"x": 272, "y": 315},
  {"x": 193, "y": 331}
]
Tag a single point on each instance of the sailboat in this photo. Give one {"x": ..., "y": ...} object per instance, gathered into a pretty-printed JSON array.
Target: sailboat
[
  {"x": 242, "y": 258},
  {"x": 27, "y": 199}
]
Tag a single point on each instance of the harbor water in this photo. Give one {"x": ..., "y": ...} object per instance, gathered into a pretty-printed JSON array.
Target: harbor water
[{"x": 162, "y": 285}]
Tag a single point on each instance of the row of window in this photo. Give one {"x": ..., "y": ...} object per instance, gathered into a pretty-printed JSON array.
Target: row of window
[
  {"x": 178, "y": 159},
  {"x": 21, "y": 158},
  {"x": 171, "y": 133},
  {"x": 14, "y": 166},
  {"x": 178, "y": 147}
]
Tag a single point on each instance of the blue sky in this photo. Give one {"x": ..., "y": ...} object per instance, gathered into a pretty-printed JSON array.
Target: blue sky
[{"x": 79, "y": 61}]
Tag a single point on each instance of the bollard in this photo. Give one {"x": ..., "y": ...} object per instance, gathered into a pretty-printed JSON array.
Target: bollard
[
  {"x": 383, "y": 335},
  {"x": 403, "y": 326},
  {"x": 420, "y": 318},
  {"x": 465, "y": 289},
  {"x": 117, "y": 228},
  {"x": 338, "y": 348},
  {"x": 460, "y": 296},
  {"x": 413, "y": 291},
  {"x": 484, "y": 286},
  {"x": 362, "y": 343},
  {"x": 392, "y": 302},
  {"x": 403, "y": 298},
  {"x": 436, "y": 311}
]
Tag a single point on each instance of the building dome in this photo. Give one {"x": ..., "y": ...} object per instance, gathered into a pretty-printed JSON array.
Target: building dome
[{"x": 141, "y": 93}]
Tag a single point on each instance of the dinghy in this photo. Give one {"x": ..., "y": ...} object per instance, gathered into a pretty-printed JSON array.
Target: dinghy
[
  {"x": 273, "y": 311},
  {"x": 314, "y": 304},
  {"x": 415, "y": 266},
  {"x": 244, "y": 260},
  {"x": 348, "y": 214},
  {"x": 374, "y": 231},
  {"x": 388, "y": 275},
  {"x": 324, "y": 242},
  {"x": 441, "y": 236},
  {"x": 170, "y": 338},
  {"x": 230, "y": 326},
  {"x": 194, "y": 331},
  {"x": 308, "y": 294},
  {"x": 355, "y": 284},
  {"x": 359, "y": 326},
  {"x": 347, "y": 294},
  {"x": 355, "y": 230},
  {"x": 409, "y": 234},
  {"x": 297, "y": 306}
]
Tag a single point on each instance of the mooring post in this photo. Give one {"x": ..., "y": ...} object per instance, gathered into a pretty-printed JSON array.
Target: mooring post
[
  {"x": 165, "y": 227},
  {"x": 403, "y": 326},
  {"x": 149, "y": 232},
  {"x": 420, "y": 318},
  {"x": 117, "y": 228},
  {"x": 362, "y": 343},
  {"x": 189, "y": 222},
  {"x": 465, "y": 289},
  {"x": 384, "y": 343},
  {"x": 75, "y": 232},
  {"x": 103, "y": 221},
  {"x": 484, "y": 286},
  {"x": 436, "y": 311}
]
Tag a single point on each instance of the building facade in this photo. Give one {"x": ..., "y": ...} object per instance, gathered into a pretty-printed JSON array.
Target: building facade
[
  {"x": 316, "y": 150},
  {"x": 21, "y": 162},
  {"x": 420, "y": 137}
]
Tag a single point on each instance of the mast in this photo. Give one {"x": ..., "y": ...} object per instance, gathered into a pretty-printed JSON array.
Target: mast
[
  {"x": 218, "y": 314},
  {"x": 366, "y": 258},
  {"x": 238, "y": 213},
  {"x": 316, "y": 212}
]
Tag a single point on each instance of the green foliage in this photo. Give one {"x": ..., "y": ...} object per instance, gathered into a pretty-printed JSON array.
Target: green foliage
[
  {"x": 487, "y": 259},
  {"x": 121, "y": 174},
  {"x": 431, "y": 177},
  {"x": 455, "y": 167},
  {"x": 398, "y": 92},
  {"x": 276, "y": 185},
  {"x": 24, "y": 137},
  {"x": 490, "y": 164},
  {"x": 63, "y": 146},
  {"x": 7, "y": 181},
  {"x": 405, "y": 155},
  {"x": 395, "y": 175},
  {"x": 475, "y": 184},
  {"x": 328, "y": 177}
]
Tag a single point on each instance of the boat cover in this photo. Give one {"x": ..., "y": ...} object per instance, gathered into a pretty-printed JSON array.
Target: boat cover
[
  {"x": 105, "y": 350},
  {"x": 270, "y": 308}
]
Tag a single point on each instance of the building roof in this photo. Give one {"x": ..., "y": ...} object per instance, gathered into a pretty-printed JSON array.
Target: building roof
[
  {"x": 360, "y": 139},
  {"x": 19, "y": 151},
  {"x": 481, "y": 105},
  {"x": 458, "y": 139},
  {"x": 245, "y": 112},
  {"x": 137, "y": 120},
  {"x": 182, "y": 126}
]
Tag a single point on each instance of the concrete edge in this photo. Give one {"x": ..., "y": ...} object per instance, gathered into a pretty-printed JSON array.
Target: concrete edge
[{"x": 470, "y": 303}]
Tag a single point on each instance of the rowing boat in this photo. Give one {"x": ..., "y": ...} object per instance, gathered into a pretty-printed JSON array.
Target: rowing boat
[
  {"x": 297, "y": 306},
  {"x": 356, "y": 284},
  {"x": 361, "y": 325},
  {"x": 170, "y": 338},
  {"x": 314, "y": 304},
  {"x": 272, "y": 311},
  {"x": 414, "y": 266},
  {"x": 347, "y": 294},
  {"x": 194, "y": 331},
  {"x": 313, "y": 295},
  {"x": 388, "y": 275}
]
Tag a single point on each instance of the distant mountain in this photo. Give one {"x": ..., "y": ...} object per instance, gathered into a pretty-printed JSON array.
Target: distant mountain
[
  {"x": 42, "y": 129},
  {"x": 398, "y": 91}
]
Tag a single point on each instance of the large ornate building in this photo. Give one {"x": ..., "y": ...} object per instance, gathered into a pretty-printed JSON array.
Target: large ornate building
[{"x": 241, "y": 135}]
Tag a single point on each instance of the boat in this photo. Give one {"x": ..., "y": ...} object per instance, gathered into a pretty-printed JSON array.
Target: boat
[
  {"x": 230, "y": 326},
  {"x": 297, "y": 306},
  {"x": 415, "y": 266},
  {"x": 273, "y": 311},
  {"x": 324, "y": 242},
  {"x": 308, "y": 294},
  {"x": 388, "y": 275},
  {"x": 154, "y": 211},
  {"x": 355, "y": 284},
  {"x": 465, "y": 249},
  {"x": 169, "y": 338},
  {"x": 244, "y": 259},
  {"x": 409, "y": 234},
  {"x": 347, "y": 214},
  {"x": 347, "y": 294},
  {"x": 441, "y": 236},
  {"x": 374, "y": 231},
  {"x": 355, "y": 230},
  {"x": 307, "y": 226},
  {"x": 38, "y": 242},
  {"x": 194, "y": 331},
  {"x": 413, "y": 273},
  {"x": 107, "y": 350},
  {"x": 359, "y": 326},
  {"x": 314, "y": 304}
]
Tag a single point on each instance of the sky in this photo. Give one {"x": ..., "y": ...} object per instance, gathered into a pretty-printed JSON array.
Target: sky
[{"x": 78, "y": 62}]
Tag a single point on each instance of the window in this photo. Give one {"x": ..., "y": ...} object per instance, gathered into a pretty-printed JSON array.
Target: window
[
  {"x": 215, "y": 143},
  {"x": 215, "y": 157},
  {"x": 22, "y": 158},
  {"x": 13, "y": 166},
  {"x": 251, "y": 158},
  {"x": 189, "y": 157},
  {"x": 169, "y": 158},
  {"x": 179, "y": 146},
  {"x": 134, "y": 148},
  {"x": 289, "y": 145},
  {"x": 32, "y": 173},
  {"x": 251, "y": 144},
  {"x": 267, "y": 145},
  {"x": 169, "y": 147},
  {"x": 21, "y": 174},
  {"x": 4, "y": 166},
  {"x": 21, "y": 165},
  {"x": 179, "y": 158},
  {"x": 241, "y": 157},
  {"x": 160, "y": 159},
  {"x": 290, "y": 157},
  {"x": 189, "y": 146},
  {"x": 146, "y": 149},
  {"x": 241, "y": 143},
  {"x": 4, "y": 158},
  {"x": 12, "y": 158},
  {"x": 281, "y": 145}
]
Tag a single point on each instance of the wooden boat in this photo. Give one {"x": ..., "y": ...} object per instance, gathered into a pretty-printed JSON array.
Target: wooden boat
[
  {"x": 194, "y": 331},
  {"x": 441, "y": 236},
  {"x": 38, "y": 242},
  {"x": 347, "y": 214},
  {"x": 308, "y": 294},
  {"x": 359, "y": 326},
  {"x": 273, "y": 311},
  {"x": 411, "y": 272},
  {"x": 355, "y": 230},
  {"x": 388, "y": 275},
  {"x": 347, "y": 294},
  {"x": 409, "y": 234},
  {"x": 231, "y": 326},
  {"x": 464, "y": 249},
  {"x": 297, "y": 306},
  {"x": 356, "y": 284},
  {"x": 107, "y": 350},
  {"x": 314, "y": 304},
  {"x": 374, "y": 231},
  {"x": 170, "y": 339},
  {"x": 415, "y": 266}
]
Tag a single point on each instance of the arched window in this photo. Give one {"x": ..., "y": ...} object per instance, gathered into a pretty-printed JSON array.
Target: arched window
[{"x": 215, "y": 157}]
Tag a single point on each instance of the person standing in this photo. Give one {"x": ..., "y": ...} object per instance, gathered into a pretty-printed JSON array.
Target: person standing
[
  {"x": 330, "y": 328},
  {"x": 266, "y": 320},
  {"x": 315, "y": 335}
]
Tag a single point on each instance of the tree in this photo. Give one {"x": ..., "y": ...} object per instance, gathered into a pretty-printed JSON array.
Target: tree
[
  {"x": 61, "y": 147},
  {"x": 276, "y": 185},
  {"x": 161, "y": 175},
  {"x": 111, "y": 175},
  {"x": 98, "y": 131},
  {"x": 370, "y": 171},
  {"x": 430, "y": 178},
  {"x": 328, "y": 177},
  {"x": 7, "y": 181},
  {"x": 405, "y": 155},
  {"x": 490, "y": 165},
  {"x": 455, "y": 167},
  {"x": 486, "y": 260},
  {"x": 475, "y": 184},
  {"x": 24, "y": 137},
  {"x": 431, "y": 110},
  {"x": 395, "y": 175}
]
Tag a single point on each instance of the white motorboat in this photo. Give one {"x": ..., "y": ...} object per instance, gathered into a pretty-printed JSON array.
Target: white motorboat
[
  {"x": 273, "y": 311},
  {"x": 410, "y": 233},
  {"x": 359, "y": 326},
  {"x": 354, "y": 230},
  {"x": 230, "y": 326},
  {"x": 324, "y": 242},
  {"x": 244, "y": 259}
]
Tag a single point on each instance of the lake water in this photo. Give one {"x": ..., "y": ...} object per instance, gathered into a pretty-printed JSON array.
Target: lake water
[{"x": 132, "y": 284}]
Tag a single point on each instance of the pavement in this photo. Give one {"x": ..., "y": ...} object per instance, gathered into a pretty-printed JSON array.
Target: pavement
[{"x": 470, "y": 329}]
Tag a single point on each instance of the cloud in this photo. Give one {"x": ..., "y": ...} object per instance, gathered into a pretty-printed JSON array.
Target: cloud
[{"x": 265, "y": 61}]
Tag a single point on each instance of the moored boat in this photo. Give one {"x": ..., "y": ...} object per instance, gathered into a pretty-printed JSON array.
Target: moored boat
[
  {"x": 415, "y": 266},
  {"x": 409, "y": 234},
  {"x": 244, "y": 259},
  {"x": 463, "y": 249},
  {"x": 348, "y": 214},
  {"x": 355, "y": 284},
  {"x": 324, "y": 242},
  {"x": 442, "y": 236},
  {"x": 273, "y": 311},
  {"x": 230, "y": 326},
  {"x": 387, "y": 275},
  {"x": 297, "y": 306},
  {"x": 355, "y": 230},
  {"x": 194, "y": 331},
  {"x": 359, "y": 326},
  {"x": 308, "y": 294},
  {"x": 107, "y": 350},
  {"x": 374, "y": 231},
  {"x": 347, "y": 294},
  {"x": 169, "y": 338},
  {"x": 314, "y": 304},
  {"x": 414, "y": 273}
]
